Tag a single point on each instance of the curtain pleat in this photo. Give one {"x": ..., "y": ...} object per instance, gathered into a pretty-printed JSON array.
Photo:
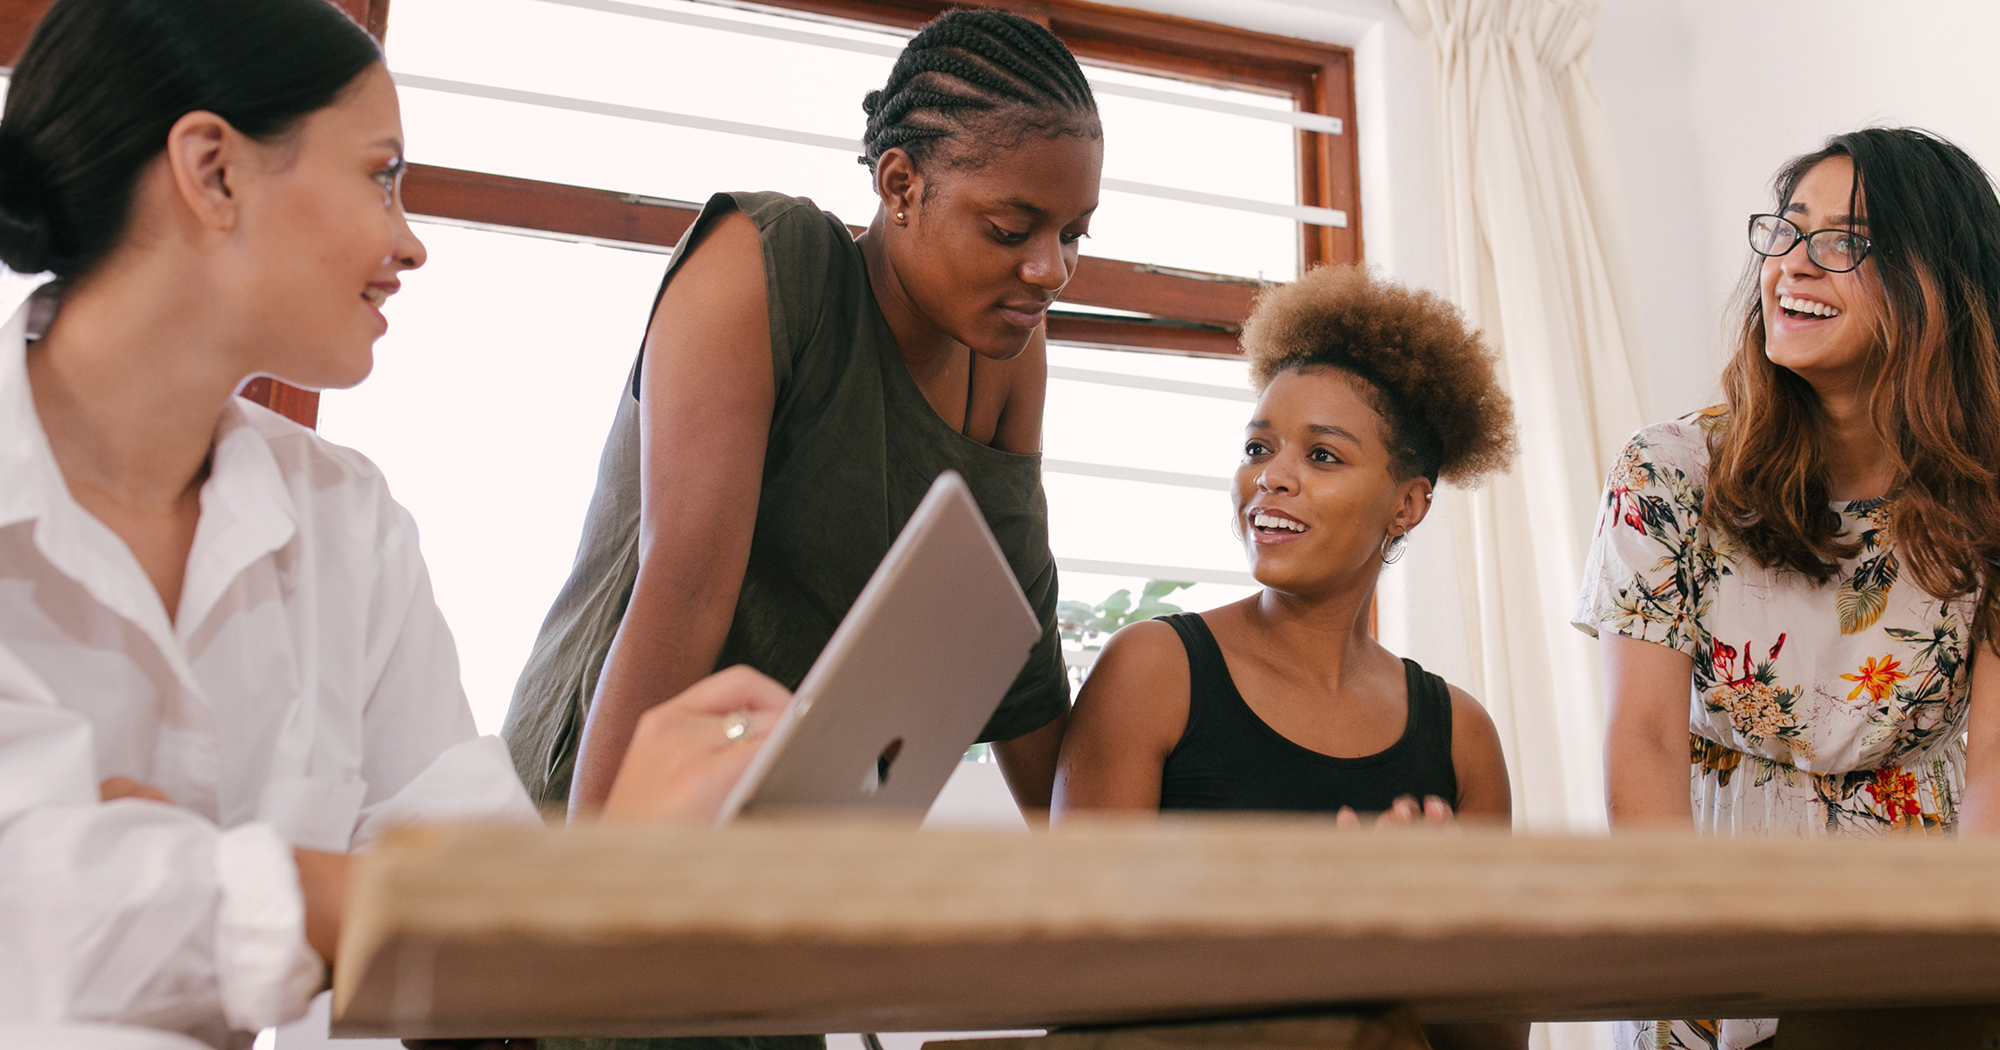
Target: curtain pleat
[{"x": 1535, "y": 255}]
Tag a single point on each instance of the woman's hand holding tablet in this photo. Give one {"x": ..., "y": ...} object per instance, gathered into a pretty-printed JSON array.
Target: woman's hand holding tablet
[{"x": 688, "y": 753}]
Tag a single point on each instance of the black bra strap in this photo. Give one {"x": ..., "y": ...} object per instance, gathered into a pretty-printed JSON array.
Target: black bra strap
[{"x": 971, "y": 368}]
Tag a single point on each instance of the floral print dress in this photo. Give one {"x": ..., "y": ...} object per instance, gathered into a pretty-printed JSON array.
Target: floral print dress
[{"x": 1817, "y": 709}]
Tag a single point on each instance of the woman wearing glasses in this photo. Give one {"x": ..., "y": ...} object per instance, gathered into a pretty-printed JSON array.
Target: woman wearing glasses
[{"x": 1794, "y": 590}]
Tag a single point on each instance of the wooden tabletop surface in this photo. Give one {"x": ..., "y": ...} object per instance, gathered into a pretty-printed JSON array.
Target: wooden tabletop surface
[{"x": 771, "y": 928}]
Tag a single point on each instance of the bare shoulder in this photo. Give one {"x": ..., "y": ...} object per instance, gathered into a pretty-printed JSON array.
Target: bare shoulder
[
  {"x": 1128, "y": 718},
  {"x": 1144, "y": 656},
  {"x": 1138, "y": 684},
  {"x": 1469, "y": 717},
  {"x": 1485, "y": 794}
]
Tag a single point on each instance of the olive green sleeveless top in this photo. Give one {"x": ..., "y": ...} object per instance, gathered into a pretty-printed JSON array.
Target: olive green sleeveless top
[{"x": 854, "y": 446}]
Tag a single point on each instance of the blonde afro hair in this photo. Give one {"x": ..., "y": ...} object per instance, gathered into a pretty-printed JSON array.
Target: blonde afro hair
[{"x": 1429, "y": 375}]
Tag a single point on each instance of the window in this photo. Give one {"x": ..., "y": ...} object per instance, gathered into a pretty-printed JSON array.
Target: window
[
  {"x": 559, "y": 145},
  {"x": 621, "y": 95},
  {"x": 654, "y": 104},
  {"x": 1138, "y": 452},
  {"x": 532, "y": 337}
]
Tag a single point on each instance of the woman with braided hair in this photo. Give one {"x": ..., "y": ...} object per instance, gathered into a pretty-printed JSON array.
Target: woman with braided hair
[{"x": 799, "y": 389}]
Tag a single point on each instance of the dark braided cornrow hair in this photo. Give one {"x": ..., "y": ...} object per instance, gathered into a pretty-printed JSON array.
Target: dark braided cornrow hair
[{"x": 967, "y": 64}]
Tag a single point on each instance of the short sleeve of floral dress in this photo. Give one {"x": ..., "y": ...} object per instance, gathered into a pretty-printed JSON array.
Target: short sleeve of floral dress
[
  {"x": 1817, "y": 708},
  {"x": 1835, "y": 708}
]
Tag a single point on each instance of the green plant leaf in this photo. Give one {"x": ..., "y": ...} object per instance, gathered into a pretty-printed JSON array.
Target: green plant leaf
[
  {"x": 1116, "y": 605},
  {"x": 1082, "y": 623}
]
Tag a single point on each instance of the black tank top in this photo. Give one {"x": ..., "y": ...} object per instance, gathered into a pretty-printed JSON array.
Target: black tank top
[{"x": 1228, "y": 758}]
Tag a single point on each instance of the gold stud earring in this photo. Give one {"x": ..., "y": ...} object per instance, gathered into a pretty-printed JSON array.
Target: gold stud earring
[{"x": 900, "y": 217}]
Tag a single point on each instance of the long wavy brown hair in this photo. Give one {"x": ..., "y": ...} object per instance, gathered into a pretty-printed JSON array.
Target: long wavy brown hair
[{"x": 1934, "y": 222}]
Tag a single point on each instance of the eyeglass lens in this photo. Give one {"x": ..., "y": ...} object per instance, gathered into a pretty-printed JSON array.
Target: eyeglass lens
[{"x": 1834, "y": 250}]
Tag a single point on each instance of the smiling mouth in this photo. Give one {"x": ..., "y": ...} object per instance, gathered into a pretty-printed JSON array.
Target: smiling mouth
[
  {"x": 1806, "y": 308},
  {"x": 375, "y": 296},
  {"x": 1271, "y": 523}
]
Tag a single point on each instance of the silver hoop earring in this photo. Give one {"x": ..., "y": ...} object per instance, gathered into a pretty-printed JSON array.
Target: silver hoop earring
[{"x": 1394, "y": 547}]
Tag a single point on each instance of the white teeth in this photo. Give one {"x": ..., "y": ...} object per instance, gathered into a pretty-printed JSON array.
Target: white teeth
[
  {"x": 1269, "y": 521},
  {"x": 378, "y": 296},
  {"x": 1807, "y": 306}
]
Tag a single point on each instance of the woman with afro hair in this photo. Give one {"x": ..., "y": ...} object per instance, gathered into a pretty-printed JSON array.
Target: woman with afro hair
[{"x": 1369, "y": 393}]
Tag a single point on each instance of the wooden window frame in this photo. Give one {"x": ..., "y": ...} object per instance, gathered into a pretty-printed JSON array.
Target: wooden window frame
[
  {"x": 1318, "y": 77},
  {"x": 1183, "y": 312}
]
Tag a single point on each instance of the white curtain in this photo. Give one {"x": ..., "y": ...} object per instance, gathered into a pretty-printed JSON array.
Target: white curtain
[{"x": 1535, "y": 255}]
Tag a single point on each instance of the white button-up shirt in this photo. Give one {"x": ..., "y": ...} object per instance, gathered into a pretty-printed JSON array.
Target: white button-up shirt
[{"x": 305, "y": 694}]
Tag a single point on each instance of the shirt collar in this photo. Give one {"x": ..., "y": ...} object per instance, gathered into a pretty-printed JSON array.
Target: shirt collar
[{"x": 247, "y": 512}]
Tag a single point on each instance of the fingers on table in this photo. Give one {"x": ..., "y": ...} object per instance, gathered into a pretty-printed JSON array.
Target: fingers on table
[{"x": 126, "y": 787}]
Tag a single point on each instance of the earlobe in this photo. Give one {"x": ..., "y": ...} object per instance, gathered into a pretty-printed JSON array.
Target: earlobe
[{"x": 897, "y": 185}]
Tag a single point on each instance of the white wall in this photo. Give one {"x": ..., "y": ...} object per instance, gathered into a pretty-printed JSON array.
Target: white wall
[
  {"x": 1708, "y": 97},
  {"x": 1642, "y": 67}
]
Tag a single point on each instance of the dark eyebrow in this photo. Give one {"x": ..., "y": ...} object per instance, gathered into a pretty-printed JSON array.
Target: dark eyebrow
[
  {"x": 1018, "y": 204},
  {"x": 1333, "y": 431},
  {"x": 390, "y": 143},
  {"x": 1317, "y": 428},
  {"x": 1831, "y": 220}
]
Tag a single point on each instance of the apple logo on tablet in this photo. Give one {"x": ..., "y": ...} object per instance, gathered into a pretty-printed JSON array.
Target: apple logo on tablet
[{"x": 873, "y": 780}]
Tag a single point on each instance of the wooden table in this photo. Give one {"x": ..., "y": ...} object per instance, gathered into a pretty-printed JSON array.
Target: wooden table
[{"x": 802, "y": 928}]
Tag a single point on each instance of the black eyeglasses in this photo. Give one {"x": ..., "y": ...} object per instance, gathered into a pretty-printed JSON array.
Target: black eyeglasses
[{"x": 1835, "y": 251}]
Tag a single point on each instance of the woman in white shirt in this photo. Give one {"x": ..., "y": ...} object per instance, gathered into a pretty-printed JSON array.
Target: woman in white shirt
[{"x": 202, "y": 603}]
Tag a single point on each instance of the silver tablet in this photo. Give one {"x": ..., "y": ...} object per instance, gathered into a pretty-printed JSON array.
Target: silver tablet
[{"x": 910, "y": 676}]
